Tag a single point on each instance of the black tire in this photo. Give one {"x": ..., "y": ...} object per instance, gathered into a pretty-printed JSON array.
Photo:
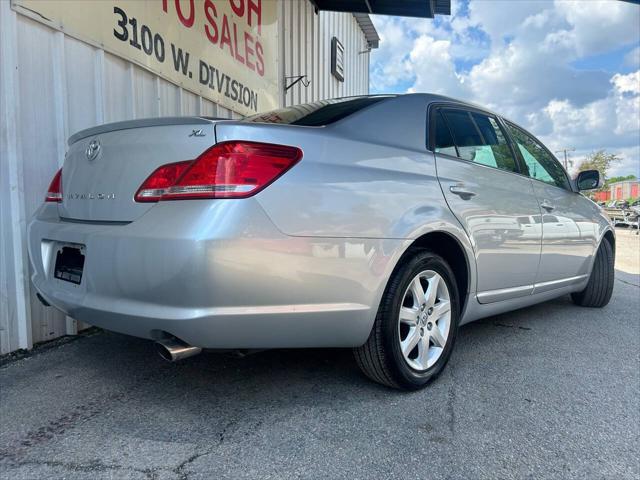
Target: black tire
[
  {"x": 598, "y": 291},
  {"x": 380, "y": 358}
]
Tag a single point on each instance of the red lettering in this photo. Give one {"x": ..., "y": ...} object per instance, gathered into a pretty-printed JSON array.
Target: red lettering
[
  {"x": 226, "y": 34},
  {"x": 238, "y": 7},
  {"x": 248, "y": 50},
  {"x": 254, "y": 7},
  {"x": 211, "y": 13},
  {"x": 260, "y": 62},
  {"x": 186, "y": 21},
  {"x": 235, "y": 42},
  {"x": 249, "y": 10}
]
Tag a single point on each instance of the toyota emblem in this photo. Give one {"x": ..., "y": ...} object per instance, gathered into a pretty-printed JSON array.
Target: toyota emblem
[{"x": 93, "y": 149}]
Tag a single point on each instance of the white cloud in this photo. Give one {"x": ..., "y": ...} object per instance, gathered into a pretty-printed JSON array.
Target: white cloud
[
  {"x": 388, "y": 65},
  {"x": 517, "y": 58},
  {"x": 596, "y": 124},
  {"x": 627, "y": 83},
  {"x": 596, "y": 27},
  {"x": 438, "y": 73},
  {"x": 501, "y": 19},
  {"x": 627, "y": 101},
  {"x": 632, "y": 59},
  {"x": 629, "y": 164}
]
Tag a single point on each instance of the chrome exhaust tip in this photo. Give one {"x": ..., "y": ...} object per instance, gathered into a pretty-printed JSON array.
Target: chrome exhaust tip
[{"x": 173, "y": 349}]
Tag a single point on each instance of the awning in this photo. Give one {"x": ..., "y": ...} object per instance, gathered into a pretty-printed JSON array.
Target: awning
[
  {"x": 369, "y": 30},
  {"x": 400, "y": 8}
]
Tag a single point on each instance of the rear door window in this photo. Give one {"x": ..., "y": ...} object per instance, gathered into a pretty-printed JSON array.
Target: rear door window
[
  {"x": 478, "y": 138},
  {"x": 540, "y": 163},
  {"x": 443, "y": 139}
]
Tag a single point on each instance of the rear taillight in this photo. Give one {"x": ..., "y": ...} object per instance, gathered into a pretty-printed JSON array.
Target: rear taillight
[
  {"x": 54, "y": 193},
  {"x": 227, "y": 170},
  {"x": 160, "y": 180}
]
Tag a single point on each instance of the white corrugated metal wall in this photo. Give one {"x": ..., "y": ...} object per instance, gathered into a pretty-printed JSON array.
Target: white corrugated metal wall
[
  {"x": 52, "y": 85},
  {"x": 306, "y": 45}
]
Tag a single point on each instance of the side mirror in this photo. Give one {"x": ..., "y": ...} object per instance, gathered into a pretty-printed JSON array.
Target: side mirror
[{"x": 588, "y": 180}]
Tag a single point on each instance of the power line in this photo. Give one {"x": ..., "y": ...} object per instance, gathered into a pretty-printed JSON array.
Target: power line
[{"x": 566, "y": 151}]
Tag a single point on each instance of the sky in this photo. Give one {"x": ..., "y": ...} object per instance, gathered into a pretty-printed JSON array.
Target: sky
[{"x": 567, "y": 71}]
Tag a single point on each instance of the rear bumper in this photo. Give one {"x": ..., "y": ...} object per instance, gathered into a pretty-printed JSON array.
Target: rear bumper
[{"x": 216, "y": 274}]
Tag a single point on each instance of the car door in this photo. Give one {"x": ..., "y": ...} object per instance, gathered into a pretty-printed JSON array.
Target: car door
[
  {"x": 481, "y": 181},
  {"x": 569, "y": 231}
]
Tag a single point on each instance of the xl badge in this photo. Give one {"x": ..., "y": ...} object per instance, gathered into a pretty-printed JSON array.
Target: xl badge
[
  {"x": 93, "y": 149},
  {"x": 197, "y": 133}
]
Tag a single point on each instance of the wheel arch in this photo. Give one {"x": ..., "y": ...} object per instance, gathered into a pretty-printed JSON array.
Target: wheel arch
[
  {"x": 452, "y": 251},
  {"x": 609, "y": 235}
]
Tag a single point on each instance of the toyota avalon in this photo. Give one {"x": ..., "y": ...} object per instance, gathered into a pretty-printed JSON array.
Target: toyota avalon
[{"x": 378, "y": 223}]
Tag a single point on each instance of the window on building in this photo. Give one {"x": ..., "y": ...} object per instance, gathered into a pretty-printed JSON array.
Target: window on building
[
  {"x": 478, "y": 138},
  {"x": 540, "y": 163}
]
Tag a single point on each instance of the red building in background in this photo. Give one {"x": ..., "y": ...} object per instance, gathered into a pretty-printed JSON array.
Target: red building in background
[
  {"x": 621, "y": 190},
  {"x": 602, "y": 196},
  {"x": 624, "y": 189}
]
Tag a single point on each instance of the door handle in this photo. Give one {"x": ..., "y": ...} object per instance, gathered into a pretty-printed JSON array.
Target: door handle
[
  {"x": 547, "y": 206},
  {"x": 461, "y": 191}
]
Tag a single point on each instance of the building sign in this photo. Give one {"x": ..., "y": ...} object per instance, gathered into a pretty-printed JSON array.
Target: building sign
[{"x": 224, "y": 50}]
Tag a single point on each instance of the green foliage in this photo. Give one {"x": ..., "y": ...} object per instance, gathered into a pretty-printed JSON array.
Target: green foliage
[
  {"x": 601, "y": 161},
  {"x": 621, "y": 178}
]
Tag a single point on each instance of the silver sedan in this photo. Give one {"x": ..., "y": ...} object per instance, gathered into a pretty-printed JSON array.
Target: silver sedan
[{"x": 380, "y": 223}]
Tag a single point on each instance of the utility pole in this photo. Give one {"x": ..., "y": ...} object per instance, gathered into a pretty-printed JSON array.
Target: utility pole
[{"x": 566, "y": 151}]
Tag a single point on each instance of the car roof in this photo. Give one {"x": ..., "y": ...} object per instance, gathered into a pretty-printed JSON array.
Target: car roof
[{"x": 437, "y": 98}]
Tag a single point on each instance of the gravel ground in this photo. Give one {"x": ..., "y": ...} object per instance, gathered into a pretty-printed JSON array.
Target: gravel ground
[{"x": 550, "y": 391}]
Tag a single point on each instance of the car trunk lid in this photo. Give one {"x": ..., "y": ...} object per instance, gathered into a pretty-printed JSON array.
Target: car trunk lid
[{"x": 106, "y": 165}]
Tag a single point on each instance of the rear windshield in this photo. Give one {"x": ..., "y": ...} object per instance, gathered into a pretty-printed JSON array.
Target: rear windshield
[{"x": 316, "y": 114}]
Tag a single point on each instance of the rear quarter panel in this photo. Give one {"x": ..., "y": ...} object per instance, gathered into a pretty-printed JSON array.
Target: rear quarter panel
[{"x": 369, "y": 175}]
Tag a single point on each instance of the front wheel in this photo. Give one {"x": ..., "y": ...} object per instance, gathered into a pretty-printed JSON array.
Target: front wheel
[
  {"x": 598, "y": 291},
  {"x": 416, "y": 325}
]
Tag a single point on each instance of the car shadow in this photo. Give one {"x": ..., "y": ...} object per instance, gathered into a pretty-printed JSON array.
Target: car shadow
[{"x": 291, "y": 372}]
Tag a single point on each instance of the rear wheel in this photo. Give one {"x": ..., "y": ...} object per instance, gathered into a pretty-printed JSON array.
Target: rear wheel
[
  {"x": 416, "y": 325},
  {"x": 598, "y": 291}
]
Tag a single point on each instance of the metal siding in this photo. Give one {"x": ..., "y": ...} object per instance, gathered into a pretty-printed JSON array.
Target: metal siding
[
  {"x": 144, "y": 91},
  {"x": 80, "y": 106},
  {"x": 189, "y": 103},
  {"x": 15, "y": 328},
  {"x": 53, "y": 85},
  {"x": 116, "y": 96},
  {"x": 209, "y": 109},
  {"x": 306, "y": 49},
  {"x": 38, "y": 158}
]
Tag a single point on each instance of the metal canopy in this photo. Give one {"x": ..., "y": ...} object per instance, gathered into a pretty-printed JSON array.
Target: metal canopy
[
  {"x": 401, "y": 8},
  {"x": 369, "y": 30}
]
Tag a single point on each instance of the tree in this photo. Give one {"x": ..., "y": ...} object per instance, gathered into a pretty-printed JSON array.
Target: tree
[
  {"x": 621, "y": 178},
  {"x": 601, "y": 161}
]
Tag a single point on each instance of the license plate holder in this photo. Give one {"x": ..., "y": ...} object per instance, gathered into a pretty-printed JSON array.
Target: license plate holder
[{"x": 69, "y": 263}]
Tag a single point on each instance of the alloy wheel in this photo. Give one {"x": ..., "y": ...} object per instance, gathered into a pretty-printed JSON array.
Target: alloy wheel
[{"x": 425, "y": 320}]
